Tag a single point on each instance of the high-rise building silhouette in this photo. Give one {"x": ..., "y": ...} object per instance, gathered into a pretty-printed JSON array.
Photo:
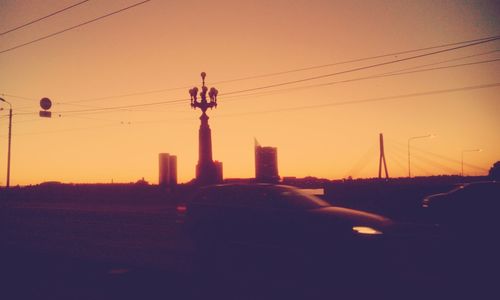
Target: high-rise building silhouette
[
  {"x": 206, "y": 169},
  {"x": 266, "y": 164},
  {"x": 168, "y": 170}
]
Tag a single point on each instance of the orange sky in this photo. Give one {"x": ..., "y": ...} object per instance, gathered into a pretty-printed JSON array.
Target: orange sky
[{"x": 163, "y": 45}]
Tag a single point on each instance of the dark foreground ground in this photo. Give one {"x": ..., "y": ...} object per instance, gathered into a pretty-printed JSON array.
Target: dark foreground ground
[
  {"x": 32, "y": 275},
  {"x": 108, "y": 249},
  {"x": 36, "y": 276}
]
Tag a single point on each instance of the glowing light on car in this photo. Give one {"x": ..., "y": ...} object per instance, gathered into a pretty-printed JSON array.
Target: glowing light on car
[
  {"x": 366, "y": 230},
  {"x": 425, "y": 203},
  {"x": 181, "y": 209}
]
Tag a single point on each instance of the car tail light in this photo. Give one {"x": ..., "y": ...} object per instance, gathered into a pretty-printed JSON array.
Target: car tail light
[{"x": 181, "y": 208}]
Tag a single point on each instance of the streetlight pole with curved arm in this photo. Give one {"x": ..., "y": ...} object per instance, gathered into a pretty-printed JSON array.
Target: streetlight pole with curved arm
[
  {"x": 10, "y": 139},
  {"x": 414, "y": 138}
]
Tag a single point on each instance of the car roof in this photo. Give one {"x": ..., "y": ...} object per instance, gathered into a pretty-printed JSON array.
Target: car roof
[
  {"x": 462, "y": 186},
  {"x": 246, "y": 185},
  {"x": 493, "y": 182}
]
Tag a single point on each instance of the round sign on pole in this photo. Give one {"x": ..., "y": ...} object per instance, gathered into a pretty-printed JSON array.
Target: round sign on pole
[{"x": 45, "y": 103}]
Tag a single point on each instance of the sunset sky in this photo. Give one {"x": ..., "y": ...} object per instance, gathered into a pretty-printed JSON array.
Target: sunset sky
[{"x": 138, "y": 62}]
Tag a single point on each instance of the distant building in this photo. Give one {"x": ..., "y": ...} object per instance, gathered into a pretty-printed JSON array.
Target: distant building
[
  {"x": 266, "y": 164},
  {"x": 172, "y": 161},
  {"x": 168, "y": 170},
  {"x": 218, "y": 169}
]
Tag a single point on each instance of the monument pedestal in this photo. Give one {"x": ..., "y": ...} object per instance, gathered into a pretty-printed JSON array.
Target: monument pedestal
[{"x": 206, "y": 171}]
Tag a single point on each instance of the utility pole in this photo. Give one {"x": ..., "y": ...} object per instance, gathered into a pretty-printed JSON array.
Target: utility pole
[
  {"x": 10, "y": 139},
  {"x": 382, "y": 159},
  {"x": 8, "y": 153}
]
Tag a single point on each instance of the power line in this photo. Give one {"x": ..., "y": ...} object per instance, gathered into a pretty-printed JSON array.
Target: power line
[
  {"x": 19, "y": 97},
  {"x": 67, "y": 130},
  {"x": 43, "y": 18},
  {"x": 357, "y": 60},
  {"x": 368, "y": 100},
  {"x": 129, "y": 95},
  {"x": 77, "y": 105},
  {"x": 440, "y": 68},
  {"x": 235, "y": 97},
  {"x": 398, "y": 72},
  {"x": 243, "y": 78},
  {"x": 403, "y": 146},
  {"x": 365, "y": 67},
  {"x": 96, "y": 119},
  {"x": 304, "y": 79},
  {"x": 74, "y": 27},
  {"x": 28, "y": 121},
  {"x": 123, "y": 108},
  {"x": 391, "y": 74},
  {"x": 347, "y": 102},
  {"x": 127, "y": 106},
  {"x": 342, "y": 72},
  {"x": 284, "y": 72},
  {"x": 448, "y": 60},
  {"x": 350, "y": 102},
  {"x": 394, "y": 73}
]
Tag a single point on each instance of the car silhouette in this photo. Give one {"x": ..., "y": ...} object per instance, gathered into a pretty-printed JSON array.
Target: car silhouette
[
  {"x": 468, "y": 208},
  {"x": 279, "y": 226},
  {"x": 468, "y": 218},
  {"x": 268, "y": 214}
]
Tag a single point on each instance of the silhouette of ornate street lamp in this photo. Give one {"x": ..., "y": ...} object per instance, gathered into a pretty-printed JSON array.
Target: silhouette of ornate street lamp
[
  {"x": 467, "y": 150},
  {"x": 206, "y": 172},
  {"x": 414, "y": 138},
  {"x": 10, "y": 138},
  {"x": 203, "y": 104}
]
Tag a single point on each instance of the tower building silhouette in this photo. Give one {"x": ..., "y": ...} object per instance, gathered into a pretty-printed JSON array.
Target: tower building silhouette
[{"x": 266, "y": 164}]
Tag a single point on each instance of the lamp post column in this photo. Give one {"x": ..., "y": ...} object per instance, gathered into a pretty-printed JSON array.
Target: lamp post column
[{"x": 413, "y": 138}]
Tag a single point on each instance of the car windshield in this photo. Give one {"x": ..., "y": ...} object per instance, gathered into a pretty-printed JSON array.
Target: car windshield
[
  {"x": 295, "y": 198},
  {"x": 483, "y": 191}
]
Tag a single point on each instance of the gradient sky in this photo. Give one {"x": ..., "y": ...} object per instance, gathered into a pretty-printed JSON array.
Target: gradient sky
[{"x": 164, "y": 45}]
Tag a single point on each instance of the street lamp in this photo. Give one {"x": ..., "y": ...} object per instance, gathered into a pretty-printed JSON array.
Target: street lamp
[
  {"x": 207, "y": 171},
  {"x": 10, "y": 135},
  {"x": 468, "y": 150},
  {"x": 414, "y": 138}
]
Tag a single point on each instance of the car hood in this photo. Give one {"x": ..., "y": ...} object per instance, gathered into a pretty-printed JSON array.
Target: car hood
[
  {"x": 353, "y": 217},
  {"x": 348, "y": 218}
]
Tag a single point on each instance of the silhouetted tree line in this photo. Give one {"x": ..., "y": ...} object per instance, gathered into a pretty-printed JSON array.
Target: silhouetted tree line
[{"x": 495, "y": 171}]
